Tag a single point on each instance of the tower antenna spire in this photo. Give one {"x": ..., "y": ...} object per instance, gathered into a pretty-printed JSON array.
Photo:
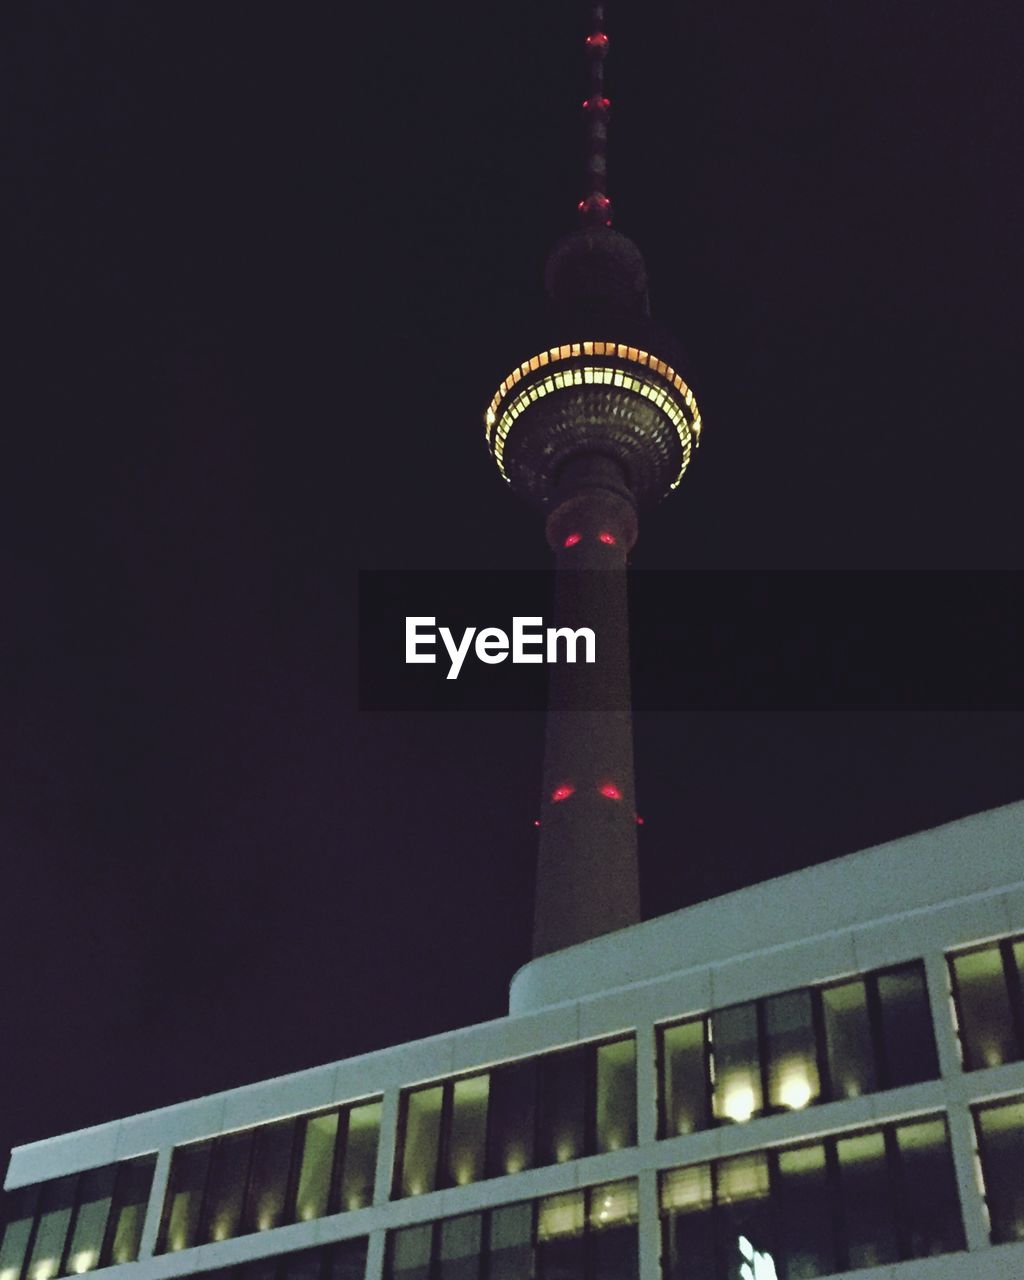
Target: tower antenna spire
[{"x": 595, "y": 209}]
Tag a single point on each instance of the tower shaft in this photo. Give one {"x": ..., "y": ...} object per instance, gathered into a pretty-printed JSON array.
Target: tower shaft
[{"x": 587, "y": 870}]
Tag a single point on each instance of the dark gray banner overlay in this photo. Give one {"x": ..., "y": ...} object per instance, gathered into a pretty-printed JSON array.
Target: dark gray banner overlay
[{"x": 717, "y": 640}]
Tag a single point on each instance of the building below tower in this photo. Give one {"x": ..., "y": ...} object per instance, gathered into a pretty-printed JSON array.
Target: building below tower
[{"x": 818, "y": 1075}]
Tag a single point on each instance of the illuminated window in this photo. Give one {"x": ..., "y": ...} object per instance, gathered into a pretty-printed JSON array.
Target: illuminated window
[
  {"x": 1000, "y": 1129},
  {"x": 56, "y": 1202},
  {"x": 517, "y": 1116},
  {"x": 685, "y": 1105},
  {"x": 467, "y": 1130},
  {"x": 854, "y": 1200},
  {"x": 257, "y": 1179},
  {"x": 986, "y": 984},
  {"x": 95, "y": 1197},
  {"x": 790, "y": 1051},
  {"x": 738, "y": 1093},
  {"x": 793, "y": 1081},
  {"x": 561, "y": 1129},
  {"x": 421, "y": 1133},
  {"x": 588, "y": 1234},
  {"x": 76, "y": 1224},
  {"x": 20, "y": 1215},
  {"x": 225, "y": 1187}
]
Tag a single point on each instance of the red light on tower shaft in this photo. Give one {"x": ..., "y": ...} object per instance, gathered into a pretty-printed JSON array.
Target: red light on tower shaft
[
  {"x": 610, "y": 791},
  {"x": 597, "y": 40},
  {"x": 562, "y": 792},
  {"x": 572, "y": 539},
  {"x": 609, "y": 539}
]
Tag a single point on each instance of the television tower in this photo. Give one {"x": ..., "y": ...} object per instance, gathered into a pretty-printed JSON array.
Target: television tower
[{"x": 594, "y": 425}]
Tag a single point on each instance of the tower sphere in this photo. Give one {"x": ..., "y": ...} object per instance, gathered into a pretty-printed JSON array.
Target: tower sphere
[{"x": 605, "y": 382}]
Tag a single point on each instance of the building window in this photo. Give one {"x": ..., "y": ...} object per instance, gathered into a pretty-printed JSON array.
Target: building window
[
  {"x": 987, "y": 991},
  {"x": 521, "y": 1115},
  {"x": 1000, "y": 1129},
  {"x": 588, "y": 1234},
  {"x": 257, "y": 1179},
  {"x": 850, "y": 1201},
  {"x": 75, "y": 1224},
  {"x": 790, "y": 1051}
]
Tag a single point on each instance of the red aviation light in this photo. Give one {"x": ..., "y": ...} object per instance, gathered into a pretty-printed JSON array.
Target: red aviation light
[
  {"x": 596, "y": 104},
  {"x": 639, "y": 821},
  {"x": 610, "y": 791},
  {"x": 609, "y": 539},
  {"x": 598, "y": 40},
  {"x": 562, "y": 792},
  {"x": 572, "y": 539}
]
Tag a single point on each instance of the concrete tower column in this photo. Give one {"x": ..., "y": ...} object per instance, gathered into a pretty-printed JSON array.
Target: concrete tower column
[{"x": 587, "y": 871}]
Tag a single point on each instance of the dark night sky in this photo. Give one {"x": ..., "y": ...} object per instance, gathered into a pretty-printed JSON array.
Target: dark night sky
[{"x": 264, "y": 262}]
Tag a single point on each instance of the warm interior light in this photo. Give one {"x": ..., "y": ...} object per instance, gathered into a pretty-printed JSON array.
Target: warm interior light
[
  {"x": 739, "y": 1103},
  {"x": 795, "y": 1092},
  {"x": 563, "y": 791},
  {"x": 572, "y": 539},
  {"x": 609, "y": 539},
  {"x": 610, "y": 791}
]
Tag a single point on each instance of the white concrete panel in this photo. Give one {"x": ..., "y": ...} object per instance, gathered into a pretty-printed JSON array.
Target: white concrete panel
[
  {"x": 496, "y": 1042},
  {"x": 171, "y": 1126},
  {"x": 1013, "y": 908},
  {"x": 782, "y": 970},
  {"x": 309, "y": 1090},
  {"x": 678, "y": 996},
  {"x": 84, "y": 1149}
]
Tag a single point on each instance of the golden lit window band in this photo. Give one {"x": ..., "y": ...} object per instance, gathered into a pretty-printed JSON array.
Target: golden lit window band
[
  {"x": 574, "y": 350},
  {"x": 577, "y": 376}
]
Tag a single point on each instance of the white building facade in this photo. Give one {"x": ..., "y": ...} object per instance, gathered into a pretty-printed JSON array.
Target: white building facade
[{"x": 820, "y": 1075}]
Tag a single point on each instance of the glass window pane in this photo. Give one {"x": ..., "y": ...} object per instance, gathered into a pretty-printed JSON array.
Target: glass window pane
[
  {"x": 268, "y": 1179},
  {"x": 737, "y": 1065},
  {"x": 184, "y": 1197},
  {"x": 460, "y": 1247},
  {"x": 360, "y": 1156},
  {"x": 419, "y": 1148},
  {"x": 1002, "y": 1158},
  {"x": 616, "y": 1095},
  {"x": 684, "y": 1083},
  {"x": 410, "y": 1252},
  {"x": 259, "y": 1269},
  {"x": 510, "y": 1256},
  {"x": 741, "y": 1189},
  {"x": 689, "y": 1238},
  {"x": 560, "y": 1133},
  {"x": 851, "y": 1059},
  {"x": 307, "y": 1265},
  {"x": 615, "y": 1253},
  {"x": 20, "y": 1213},
  {"x": 128, "y": 1212},
  {"x": 804, "y": 1214},
  {"x": 94, "y": 1199},
  {"x": 613, "y": 1204},
  {"x": 348, "y": 1260},
  {"x": 512, "y": 1106},
  {"x": 932, "y": 1220},
  {"x": 870, "y": 1231},
  {"x": 225, "y": 1188},
  {"x": 560, "y": 1221},
  {"x": 317, "y": 1162},
  {"x": 56, "y": 1200},
  {"x": 983, "y": 1009},
  {"x": 793, "y": 1080},
  {"x": 906, "y": 1027},
  {"x": 468, "y": 1132}
]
